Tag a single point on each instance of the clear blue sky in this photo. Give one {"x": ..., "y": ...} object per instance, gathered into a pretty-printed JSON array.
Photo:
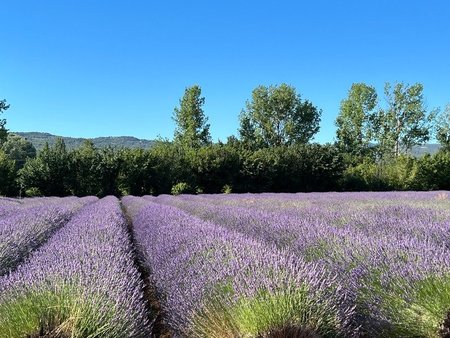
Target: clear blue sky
[{"x": 90, "y": 68}]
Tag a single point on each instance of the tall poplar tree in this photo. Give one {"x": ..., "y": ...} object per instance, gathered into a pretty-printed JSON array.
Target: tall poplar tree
[
  {"x": 405, "y": 122},
  {"x": 192, "y": 129},
  {"x": 355, "y": 119},
  {"x": 443, "y": 128}
]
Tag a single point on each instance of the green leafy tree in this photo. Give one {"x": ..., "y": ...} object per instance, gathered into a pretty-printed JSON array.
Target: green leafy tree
[
  {"x": 85, "y": 170},
  {"x": 192, "y": 129},
  {"x": 443, "y": 128},
  {"x": 109, "y": 169},
  {"x": 276, "y": 115},
  {"x": 301, "y": 167},
  {"x": 48, "y": 173},
  {"x": 355, "y": 120},
  {"x": 247, "y": 132},
  {"x": 433, "y": 172},
  {"x": 7, "y": 175},
  {"x": 136, "y": 172},
  {"x": 170, "y": 164},
  {"x": 3, "y": 131},
  {"x": 215, "y": 166},
  {"x": 18, "y": 149},
  {"x": 405, "y": 122}
]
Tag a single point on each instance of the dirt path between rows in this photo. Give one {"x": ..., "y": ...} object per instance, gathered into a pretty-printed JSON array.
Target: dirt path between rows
[{"x": 160, "y": 328}]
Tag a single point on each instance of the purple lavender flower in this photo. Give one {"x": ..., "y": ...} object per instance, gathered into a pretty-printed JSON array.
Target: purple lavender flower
[
  {"x": 81, "y": 283},
  {"x": 27, "y": 225},
  {"x": 215, "y": 282},
  {"x": 388, "y": 250}
]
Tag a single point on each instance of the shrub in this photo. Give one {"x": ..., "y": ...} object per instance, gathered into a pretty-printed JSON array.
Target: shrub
[
  {"x": 227, "y": 189},
  {"x": 181, "y": 188},
  {"x": 434, "y": 171},
  {"x": 364, "y": 176},
  {"x": 33, "y": 192}
]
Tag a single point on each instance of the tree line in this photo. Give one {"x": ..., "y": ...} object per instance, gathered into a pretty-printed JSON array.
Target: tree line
[{"x": 272, "y": 152}]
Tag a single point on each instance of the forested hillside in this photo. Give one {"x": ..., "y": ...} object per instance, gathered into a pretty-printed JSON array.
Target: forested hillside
[{"x": 38, "y": 139}]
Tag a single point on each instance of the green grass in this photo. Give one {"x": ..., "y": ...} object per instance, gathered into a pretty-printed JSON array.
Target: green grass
[
  {"x": 416, "y": 310},
  {"x": 222, "y": 316},
  {"x": 59, "y": 312},
  {"x": 426, "y": 310}
]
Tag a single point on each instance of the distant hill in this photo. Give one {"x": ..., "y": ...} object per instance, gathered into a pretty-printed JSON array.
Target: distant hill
[
  {"x": 425, "y": 149},
  {"x": 419, "y": 151},
  {"x": 39, "y": 140}
]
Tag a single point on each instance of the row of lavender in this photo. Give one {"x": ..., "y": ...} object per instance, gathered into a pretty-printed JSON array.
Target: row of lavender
[
  {"x": 82, "y": 282},
  {"x": 390, "y": 252},
  {"x": 234, "y": 266},
  {"x": 215, "y": 282},
  {"x": 26, "y": 224}
]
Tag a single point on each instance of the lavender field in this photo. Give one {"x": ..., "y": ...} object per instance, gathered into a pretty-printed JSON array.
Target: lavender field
[{"x": 249, "y": 265}]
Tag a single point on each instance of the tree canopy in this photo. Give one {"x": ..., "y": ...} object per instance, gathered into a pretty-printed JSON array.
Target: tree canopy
[
  {"x": 192, "y": 129},
  {"x": 443, "y": 128},
  {"x": 3, "y": 131},
  {"x": 405, "y": 121},
  {"x": 18, "y": 149},
  {"x": 276, "y": 115},
  {"x": 48, "y": 173},
  {"x": 272, "y": 154},
  {"x": 354, "y": 122}
]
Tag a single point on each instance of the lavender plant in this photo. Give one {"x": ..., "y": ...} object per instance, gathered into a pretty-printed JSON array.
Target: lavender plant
[
  {"x": 389, "y": 250},
  {"x": 406, "y": 291},
  {"x": 27, "y": 227},
  {"x": 81, "y": 283},
  {"x": 218, "y": 283}
]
